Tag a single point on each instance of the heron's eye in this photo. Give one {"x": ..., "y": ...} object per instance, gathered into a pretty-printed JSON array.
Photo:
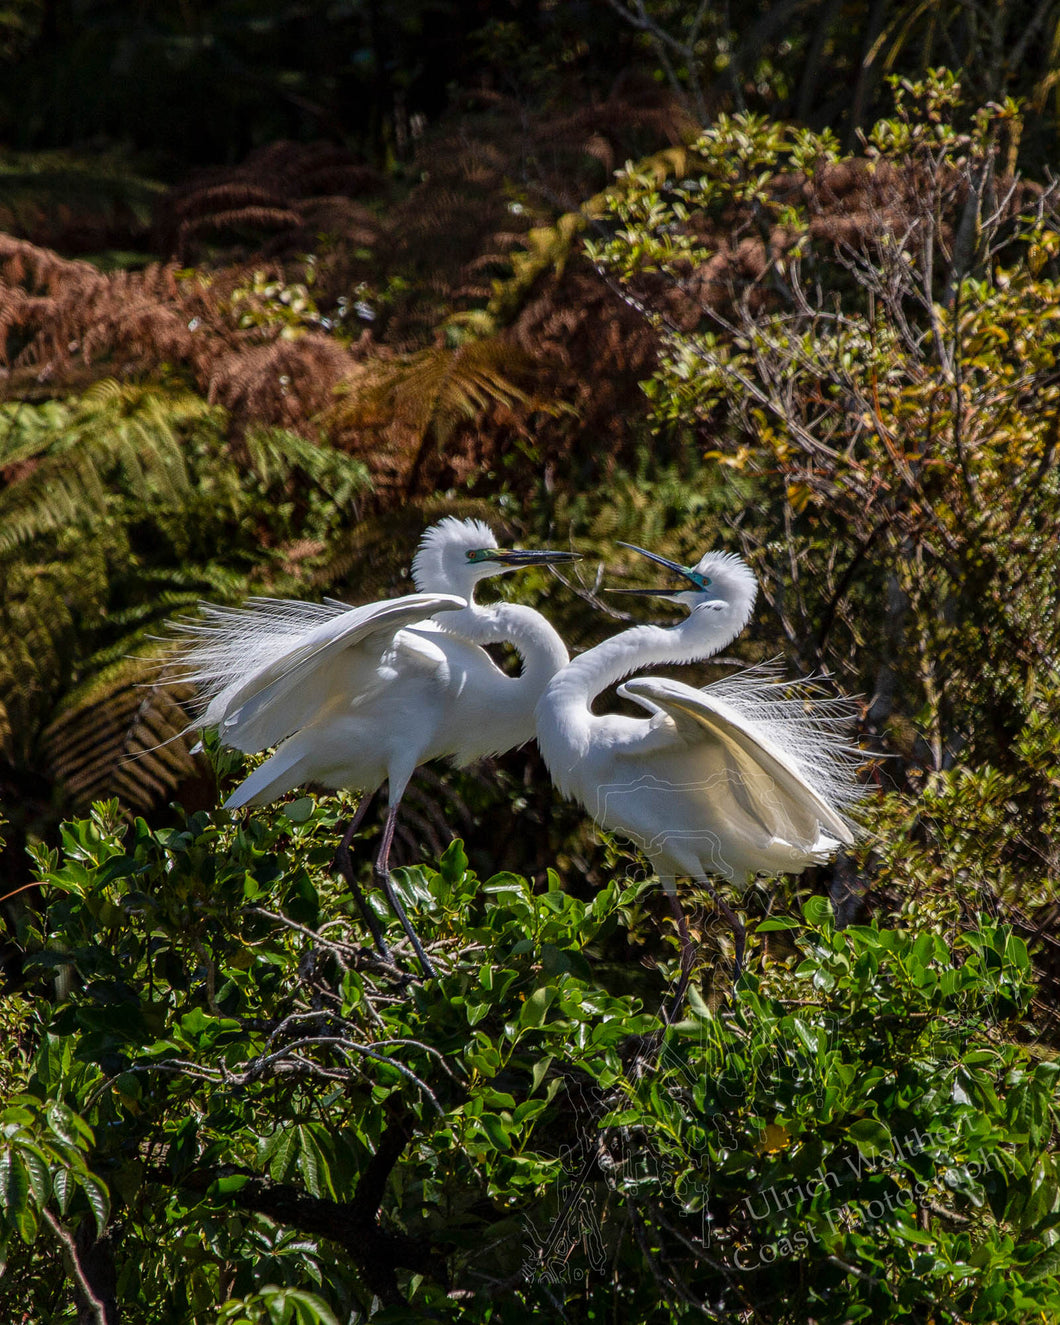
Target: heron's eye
[
  {"x": 702, "y": 580},
  {"x": 479, "y": 554}
]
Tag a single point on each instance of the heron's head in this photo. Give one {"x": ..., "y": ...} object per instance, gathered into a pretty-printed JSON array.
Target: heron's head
[
  {"x": 455, "y": 554},
  {"x": 718, "y": 582}
]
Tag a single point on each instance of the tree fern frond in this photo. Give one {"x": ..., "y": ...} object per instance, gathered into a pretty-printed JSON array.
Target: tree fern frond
[
  {"x": 433, "y": 391},
  {"x": 114, "y": 735},
  {"x": 401, "y": 410},
  {"x": 181, "y": 585},
  {"x": 40, "y": 615},
  {"x": 274, "y": 453},
  {"x": 28, "y": 430},
  {"x": 114, "y": 429}
]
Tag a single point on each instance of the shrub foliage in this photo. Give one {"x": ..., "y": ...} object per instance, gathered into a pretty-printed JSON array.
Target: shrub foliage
[{"x": 234, "y": 1084}]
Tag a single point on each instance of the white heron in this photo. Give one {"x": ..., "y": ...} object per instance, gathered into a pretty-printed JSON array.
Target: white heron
[
  {"x": 725, "y": 781},
  {"x": 357, "y": 696}
]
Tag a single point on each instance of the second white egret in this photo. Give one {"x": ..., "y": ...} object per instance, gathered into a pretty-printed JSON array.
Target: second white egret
[{"x": 721, "y": 782}]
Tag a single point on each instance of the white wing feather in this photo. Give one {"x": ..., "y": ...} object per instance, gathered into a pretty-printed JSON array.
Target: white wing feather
[
  {"x": 224, "y": 644},
  {"x": 247, "y": 709},
  {"x": 247, "y": 660},
  {"x": 756, "y": 743}
]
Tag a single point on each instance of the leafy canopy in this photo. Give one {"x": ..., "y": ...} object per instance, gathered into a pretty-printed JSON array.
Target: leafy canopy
[{"x": 261, "y": 1114}]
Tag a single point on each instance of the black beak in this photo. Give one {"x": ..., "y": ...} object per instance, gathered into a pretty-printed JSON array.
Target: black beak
[
  {"x": 675, "y": 566},
  {"x": 538, "y": 557}
]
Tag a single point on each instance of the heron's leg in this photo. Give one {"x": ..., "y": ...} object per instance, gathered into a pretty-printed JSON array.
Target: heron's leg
[
  {"x": 344, "y": 865},
  {"x": 382, "y": 868},
  {"x": 739, "y": 929},
  {"x": 688, "y": 951}
]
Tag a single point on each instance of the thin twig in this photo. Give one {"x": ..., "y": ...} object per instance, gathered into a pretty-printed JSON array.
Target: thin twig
[{"x": 97, "y": 1307}]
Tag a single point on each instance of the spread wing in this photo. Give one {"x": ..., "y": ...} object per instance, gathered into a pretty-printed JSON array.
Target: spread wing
[
  {"x": 259, "y": 663},
  {"x": 254, "y": 716},
  {"x": 223, "y": 644},
  {"x": 772, "y": 782}
]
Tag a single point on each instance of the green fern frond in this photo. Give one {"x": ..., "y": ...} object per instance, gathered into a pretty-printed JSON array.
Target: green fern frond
[
  {"x": 27, "y": 431},
  {"x": 121, "y": 510},
  {"x": 273, "y": 453},
  {"x": 187, "y": 584},
  {"x": 40, "y": 614},
  {"x": 113, "y": 431},
  {"x": 121, "y": 734}
]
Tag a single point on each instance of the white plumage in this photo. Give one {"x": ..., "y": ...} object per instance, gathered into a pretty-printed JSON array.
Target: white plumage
[
  {"x": 357, "y": 696},
  {"x": 733, "y": 779}
]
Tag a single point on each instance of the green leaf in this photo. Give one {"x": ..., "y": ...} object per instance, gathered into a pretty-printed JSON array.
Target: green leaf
[
  {"x": 229, "y": 1184},
  {"x": 535, "y": 1009},
  {"x": 540, "y": 1070},
  {"x": 453, "y": 864},
  {"x": 67, "y": 1126},
  {"x": 313, "y": 1165},
  {"x": 285, "y": 1154},
  {"x": 870, "y": 1136},
  {"x": 299, "y": 811},
  {"x": 495, "y": 1130},
  {"x": 39, "y": 1175},
  {"x": 14, "y": 1185},
  {"x": 910, "y": 1233},
  {"x": 63, "y": 1185},
  {"x": 26, "y": 1220},
  {"x": 818, "y": 913},
  {"x": 504, "y": 883},
  {"x": 98, "y": 1198}
]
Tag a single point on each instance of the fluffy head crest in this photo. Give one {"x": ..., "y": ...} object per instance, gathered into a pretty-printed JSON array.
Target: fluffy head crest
[
  {"x": 728, "y": 572},
  {"x": 441, "y": 564},
  {"x": 730, "y": 578}
]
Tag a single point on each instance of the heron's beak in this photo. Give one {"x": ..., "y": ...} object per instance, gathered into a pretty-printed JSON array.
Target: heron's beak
[
  {"x": 675, "y": 566},
  {"x": 538, "y": 557}
]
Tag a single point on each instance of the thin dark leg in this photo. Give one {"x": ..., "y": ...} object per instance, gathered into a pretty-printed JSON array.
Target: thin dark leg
[
  {"x": 382, "y": 869},
  {"x": 688, "y": 957},
  {"x": 344, "y": 865},
  {"x": 739, "y": 929}
]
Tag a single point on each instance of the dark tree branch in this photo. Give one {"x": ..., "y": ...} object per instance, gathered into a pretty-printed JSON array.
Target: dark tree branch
[
  {"x": 91, "y": 1262},
  {"x": 353, "y": 1225}
]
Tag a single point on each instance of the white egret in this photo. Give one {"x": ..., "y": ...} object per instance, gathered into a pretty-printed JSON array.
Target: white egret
[
  {"x": 358, "y": 696},
  {"x": 724, "y": 781}
]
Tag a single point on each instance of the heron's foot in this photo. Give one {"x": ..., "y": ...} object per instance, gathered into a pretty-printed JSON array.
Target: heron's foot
[{"x": 383, "y": 875}]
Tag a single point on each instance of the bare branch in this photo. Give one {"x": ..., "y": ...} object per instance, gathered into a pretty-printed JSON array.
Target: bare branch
[{"x": 96, "y": 1305}]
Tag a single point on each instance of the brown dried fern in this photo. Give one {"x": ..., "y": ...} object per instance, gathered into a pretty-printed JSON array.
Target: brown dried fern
[
  {"x": 278, "y": 189},
  {"x": 56, "y": 314},
  {"x": 406, "y": 412}
]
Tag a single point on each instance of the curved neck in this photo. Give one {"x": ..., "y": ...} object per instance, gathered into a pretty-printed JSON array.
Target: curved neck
[
  {"x": 700, "y": 635},
  {"x": 534, "y": 638}
]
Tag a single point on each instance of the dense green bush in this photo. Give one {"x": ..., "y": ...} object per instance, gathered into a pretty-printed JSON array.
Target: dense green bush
[
  {"x": 869, "y": 345},
  {"x": 231, "y": 1100}
]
